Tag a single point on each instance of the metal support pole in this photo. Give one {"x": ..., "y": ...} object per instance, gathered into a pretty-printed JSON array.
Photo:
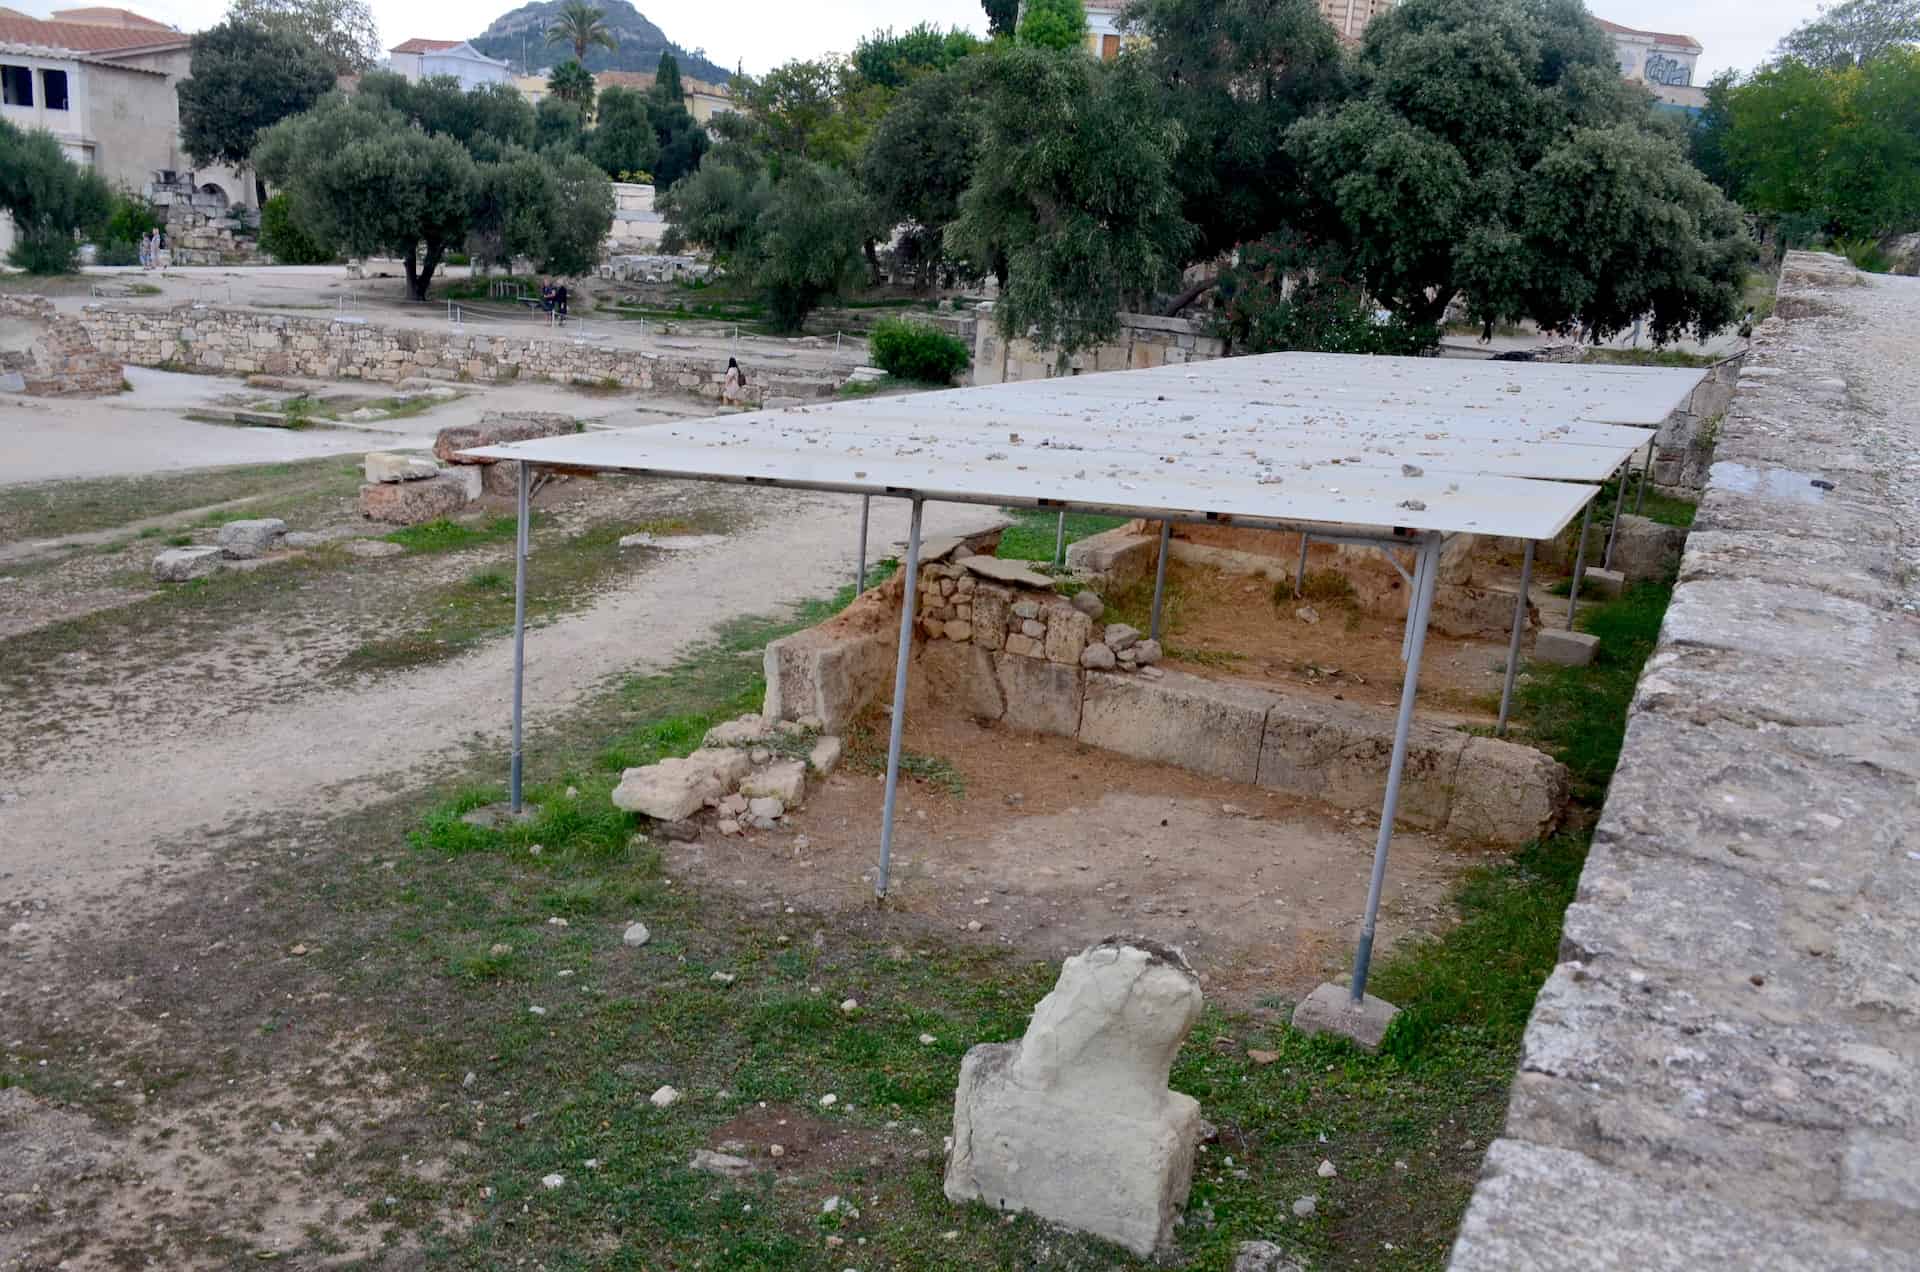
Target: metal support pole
[
  {"x": 1579, "y": 564},
  {"x": 1421, "y": 564},
  {"x": 1300, "y": 575},
  {"x": 909, "y": 603},
  {"x": 866, "y": 514},
  {"x": 523, "y": 496},
  {"x": 1646, "y": 475},
  {"x": 1619, "y": 506},
  {"x": 1160, "y": 579},
  {"x": 1422, "y": 611},
  {"x": 1513, "y": 646},
  {"x": 1060, "y": 541}
]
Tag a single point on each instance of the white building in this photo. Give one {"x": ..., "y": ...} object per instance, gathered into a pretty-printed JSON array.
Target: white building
[
  {"x": 428, "y": 59},
  {"x": 1662, "y": 61},
  {"x": 101, "y": 81}
]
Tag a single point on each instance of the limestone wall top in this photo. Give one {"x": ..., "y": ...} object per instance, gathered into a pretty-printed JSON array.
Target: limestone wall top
[{"x": 1724, "y": 1070}]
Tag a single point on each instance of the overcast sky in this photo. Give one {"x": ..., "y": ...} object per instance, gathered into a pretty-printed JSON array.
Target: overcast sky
[{"x": 764, "y": 33}]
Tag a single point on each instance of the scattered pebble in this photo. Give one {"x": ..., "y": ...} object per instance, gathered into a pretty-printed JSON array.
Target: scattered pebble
[
  {"x": 777, "y": 1150},
  {"x": 665, "y": 1097},
  {"x": 1303, "y": 1207},
  {"x": 1262, "y": 1057},
  {"x": 828, "y": 1100},
  {"x": 298, "y": 951},
  {"x": 537, "y": 1011},
  {"x": 722, "y": 978},
  {"x": 1327, "y": 1169},
  {"x": 551, "y": 1182},
  {"x": 849, "y": 1006},
  {"x": 927, "y": 1040},
  {"x": 636, "y": 935},
  {"x": 557, "y": 921},
  {"x": 500, "y": 949}
]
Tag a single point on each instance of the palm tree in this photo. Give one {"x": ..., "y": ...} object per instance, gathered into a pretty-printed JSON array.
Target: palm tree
[{"x": 584, "y": 27}]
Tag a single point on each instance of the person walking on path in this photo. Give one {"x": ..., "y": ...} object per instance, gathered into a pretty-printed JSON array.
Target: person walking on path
[{"x": 734, "y": 391}]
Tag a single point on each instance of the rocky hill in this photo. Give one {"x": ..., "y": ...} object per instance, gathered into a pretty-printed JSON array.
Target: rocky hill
[{"x": 519, "y": 37}]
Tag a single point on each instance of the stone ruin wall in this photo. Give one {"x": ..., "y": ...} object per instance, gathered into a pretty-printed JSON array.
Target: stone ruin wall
[
  {"x": 1145, "y": 340},
  {"x": 1683, "y": 445},
  {"x": 51, "y": 356},
  {"x": 1723, "y": 1070},
  {"x": 239, "y": 342}
]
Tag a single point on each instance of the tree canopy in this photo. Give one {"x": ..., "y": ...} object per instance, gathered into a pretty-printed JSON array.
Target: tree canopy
[
  {"x": 1079, "y": 232},
  {"x": 344, "y": 30},
  {"x": 1854, "y": 33},
  {"x": 581, "y": 27},
  {"x": 920, "y": 161},
  {"x": 1001, "y": 16},
  {"x": 486, "y": 120},
  {"x": 623, "y": 140},
  {"x": 1835, "y": 149},
  {"x": 666, "y": 81},
  {"x": 572, "y": 82},
  {"x": 1053, "y": 24},
  {"x": 892, "y": 61},
  {"x": 1457, "y": 172},
  {"x": 1237, "y": 74},
  {"x": 241, "y": 79},
  {"x": 49, "y": 198}
]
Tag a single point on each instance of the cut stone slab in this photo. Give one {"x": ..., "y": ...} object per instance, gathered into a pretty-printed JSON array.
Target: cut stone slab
[
  {"x": 1041, "y": 697},
  {"x": 1339, "y": 753},
  {"x": 245, "y": 540},
  {"x": 1116, "y": 555},
  {"x": 1018, "y": 572},
  {"x": 1068, "y": 633},
  {"x": 958, "y": 677},
  {"x": 825, "y": 756},
  {"x": 1330, "y": 1009},
  {"x": 784, "y": 780},
  {"x": 469, "y": 477},
  {"x": 1075, "y": 1123},
  {"x": 1562, "y": 648},
  {"x": 389, "y": 467},
  {"x": 412, "y": 503},
  {"x": 1647, "y": 549},
  {"x": 833, "y": 675},
  {"x": 1605, "y": 583},
  {"x": 675, "y": 789},
  {"x": 496, "y": 428},
  {"x": 744, "y": 731},
  {"x": 1200, "y": 725},
  {"x": 1505, "y": 793},
  {"x": 725, "y": 1165},
  {"x": 177, "y": 565}
]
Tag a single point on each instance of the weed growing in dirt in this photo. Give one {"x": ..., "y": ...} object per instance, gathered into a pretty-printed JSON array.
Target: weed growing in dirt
[
  {"x": 1032, "y": 534},
  {"x": 445, "y": 535},
  {"x": 1579, "y": 714},
  {"x": 49, "y": 510},
  {"x": 1205, "y": 657},
  {"x": 867, "y": 740},
  {"x": 660, "y": 526}
]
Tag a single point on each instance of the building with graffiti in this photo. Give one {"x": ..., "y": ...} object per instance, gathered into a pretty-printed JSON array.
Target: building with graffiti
[{"x": 1664, "y": 62}]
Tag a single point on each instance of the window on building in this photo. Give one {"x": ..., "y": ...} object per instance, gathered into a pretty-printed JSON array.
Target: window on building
[
  {"x": 1109, "y": 47},
  {"x": 16, "y": 85},
  {"x": 53, "y": 89}
]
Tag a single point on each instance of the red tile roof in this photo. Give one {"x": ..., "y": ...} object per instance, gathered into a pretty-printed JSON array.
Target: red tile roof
[
  {"x": 81, "y": 37},
  {"x": 1667, "y": 37},
  {"x": 99, "y": 16},
  {"x": 418, "y": 45}
]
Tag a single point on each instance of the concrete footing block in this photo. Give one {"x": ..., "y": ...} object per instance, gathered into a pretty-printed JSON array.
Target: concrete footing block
[
  {"x": 1607, "y": 583},
  {"x": 1330, "y": 1009},
  {"x": 1563, "y": 648}
]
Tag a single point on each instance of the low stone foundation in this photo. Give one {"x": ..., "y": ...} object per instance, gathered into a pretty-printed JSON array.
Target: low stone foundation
[
  {"x": 1002, "y": 649},
  {"x": 58, "y": 359},
  {"x": 241, "y": 342}
]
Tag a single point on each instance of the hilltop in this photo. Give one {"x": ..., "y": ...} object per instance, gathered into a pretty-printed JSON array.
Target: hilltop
[{"x": 520, "y": 35}]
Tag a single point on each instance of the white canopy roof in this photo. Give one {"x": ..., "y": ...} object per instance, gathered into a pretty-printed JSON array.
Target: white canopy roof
[{"x": 1278, "y": 440}]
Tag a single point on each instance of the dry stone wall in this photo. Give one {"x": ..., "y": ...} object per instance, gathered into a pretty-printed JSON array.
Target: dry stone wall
[
  {"x": 59, "y": 358},
  {"x": 1145, "y": 340},
  {"x": 242, "y": 342},
  {"x": 1724, "y": 1069}
]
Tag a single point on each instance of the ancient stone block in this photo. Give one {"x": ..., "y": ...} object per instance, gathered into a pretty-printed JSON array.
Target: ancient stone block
[
  {"x": 1339, "y": 752},
  {"x": 1646, "y": 549},
  {"x": 177, "y": 565},
  {"x": 1068, "y": 632},
  {"x": 829, "y": 674},
  {"x": 1330, "y": 1009},
  {"x": 502, "y": 480},
  {"x": 496, "y": 428},
  {"x": 1199, "y": 725},
  {"x": 1041, "y": 696},
  {"x": 784, "y": 780},
  {"x": 1602, "y": 584},
  {"x": 1075, "y": 1123},
  {"x": 387, "y": 466},
  {"x": 1506, "y": 794},
  {"x": 244, "y": 540},
  {"x": 1562, "y": 648},
  {"x": 412, "y": 503},
  {"x": 954, "y": 677},
  {"x": 675, "y": 789}
]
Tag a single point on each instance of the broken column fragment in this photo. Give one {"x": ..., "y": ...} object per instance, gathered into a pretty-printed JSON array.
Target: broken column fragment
[{"x": 1074, "y": 1123}]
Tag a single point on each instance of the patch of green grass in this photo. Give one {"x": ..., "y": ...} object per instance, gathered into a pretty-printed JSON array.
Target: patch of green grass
[
  {"x": 1579, "y": 714},
  {"x": 1648, "y": 358},
  {"x": 1205, "y": 657},
  {"x": 860, "y": 388},
  {"x": 1031, "y": 536},
  {"x": 445, "y": 535},
  {"x": 179, "y": 540},
  {"x": 47, "y": 510},
  {"x": 1668, "y": 510},
  {"x": 143, "y": 289}
]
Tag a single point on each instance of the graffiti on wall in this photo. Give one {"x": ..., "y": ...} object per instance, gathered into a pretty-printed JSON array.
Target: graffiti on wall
[{"x": 1671, "y": 71}]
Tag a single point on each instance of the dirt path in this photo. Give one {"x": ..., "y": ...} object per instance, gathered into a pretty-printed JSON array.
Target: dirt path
[{"x": 111, "y": 803}]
